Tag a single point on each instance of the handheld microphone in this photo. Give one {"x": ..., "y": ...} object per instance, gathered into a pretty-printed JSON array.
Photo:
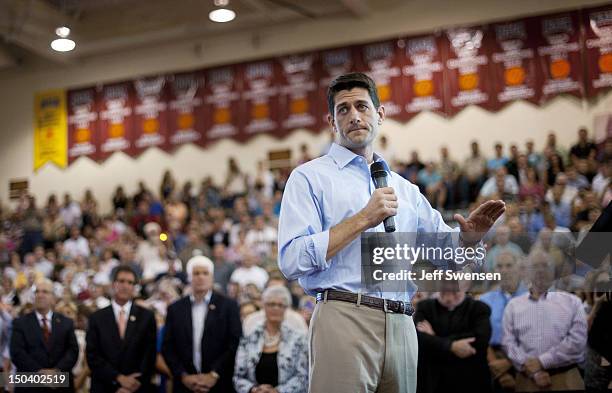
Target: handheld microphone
[{"x": 379, "y": 176}]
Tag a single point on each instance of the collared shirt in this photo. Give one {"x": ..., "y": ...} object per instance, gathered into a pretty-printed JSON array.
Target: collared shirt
[
  {"x": 326, "y": 191},
  {"x": 552, "y": 328},
  {"x": 117, "y": 309},
  {"x": 198, "y": 317},
  {"x": 497, "y": 300},
  {"x": 48, "y": 316}
]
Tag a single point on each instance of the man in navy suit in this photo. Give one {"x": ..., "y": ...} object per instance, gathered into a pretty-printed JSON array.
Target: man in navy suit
[
  {"x": 201, "y": 334},
  {"x": 43, "y": 341},
  {"x": 121, "y": 348}
]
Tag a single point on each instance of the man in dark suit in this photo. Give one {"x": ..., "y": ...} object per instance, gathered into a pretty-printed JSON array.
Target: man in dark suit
[
  {"x": 453, "y": 332},
  {"x": 44, "y": 341},
  {"x": 121, "y": 349},
  {"x": 201, "y": 334}
]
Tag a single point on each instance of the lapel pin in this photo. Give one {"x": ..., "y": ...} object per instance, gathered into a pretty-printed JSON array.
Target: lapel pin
[
  {"x": 132, "y": 318},
  {"x": 212, "y": 307}
]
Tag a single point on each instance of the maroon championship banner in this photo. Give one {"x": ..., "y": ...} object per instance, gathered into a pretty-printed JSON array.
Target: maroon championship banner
[
  {"x": 533, "y": 59},
  {"x": 298, "y": 101},
  {"x": 223, "y": 108},
  {"x": 185, "y": 109},
  {"x": 424, "y": 75},
  {"x": 334, "y": 62},
  {"x": 559, "y": 54},
  {"x": 382, "y": 61},
  {"x": 514, "y": 63},
  {"x": 260, "y": 98},
  {"x": 598, "y": 46},
  {"x": 467, "y": 68},
  {"x": 150, "y": 114},
  {"x": 116, "y": 122},
  {"x": 82, "y": 125}
]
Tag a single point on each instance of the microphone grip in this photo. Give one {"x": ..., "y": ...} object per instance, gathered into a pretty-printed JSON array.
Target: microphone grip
[{"x": 389, "y": 223}]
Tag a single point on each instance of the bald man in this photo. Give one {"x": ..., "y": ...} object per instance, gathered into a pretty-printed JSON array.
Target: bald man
[
  {"x": 44, "y": 341},
  {"x": 201, "y": 334}
]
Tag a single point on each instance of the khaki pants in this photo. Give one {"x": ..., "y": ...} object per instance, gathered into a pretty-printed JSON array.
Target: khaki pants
[
  {"x": 358, "y": 349},
  {"x": 568, "y": 380}
]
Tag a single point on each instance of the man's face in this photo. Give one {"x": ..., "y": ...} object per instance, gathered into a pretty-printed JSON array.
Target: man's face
[
  {"x": 451, "y": 299},
  {"x": 507, "y": 266},
  {"x": 541, "y": 271},
  {"x": 356, "y": 120},
  {"x": 43, "y": 297},
  {"x": 123, "y": 287},
  {"x": 201, "y": 279}
]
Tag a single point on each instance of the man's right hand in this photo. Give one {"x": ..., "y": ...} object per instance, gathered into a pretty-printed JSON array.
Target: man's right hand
[
  {"x": 129, "y": 382},
  {"x": 542, "y": 379},
  {"x": 462, "y": 348},
  {"x": 499, "y": 367},
  {"x": 193, "y": 382},
  {"x": 382, "y": 204}
]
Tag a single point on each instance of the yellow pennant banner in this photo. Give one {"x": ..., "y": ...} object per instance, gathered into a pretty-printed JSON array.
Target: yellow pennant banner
[{"x": 50, "y": 129}]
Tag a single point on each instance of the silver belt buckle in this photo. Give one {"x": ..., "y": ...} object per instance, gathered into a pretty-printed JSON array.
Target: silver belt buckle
[{"x": 386, "y": 307}]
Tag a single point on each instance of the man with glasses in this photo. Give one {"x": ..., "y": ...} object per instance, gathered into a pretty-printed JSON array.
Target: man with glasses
[
  {"x": 43, "y": 341},
  {"x": 121, "y": 341}
]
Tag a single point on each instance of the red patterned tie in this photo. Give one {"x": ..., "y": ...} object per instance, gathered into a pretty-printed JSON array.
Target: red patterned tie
[{"x": 45, "y": 331}]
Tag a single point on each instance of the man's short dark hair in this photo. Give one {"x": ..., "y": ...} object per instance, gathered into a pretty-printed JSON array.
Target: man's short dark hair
[
  {"x": 124, "y": 269},
  {"x": 348, "y": 82}
]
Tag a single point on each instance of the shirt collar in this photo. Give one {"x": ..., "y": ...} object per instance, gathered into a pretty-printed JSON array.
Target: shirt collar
[
  {"x": 532, "y": 296},
  {"x": 49, "y": 315},
  {"x": 206, "y": 298},
  {"x": 343, "y": 156},
  {"x": 126, "y": 307}
]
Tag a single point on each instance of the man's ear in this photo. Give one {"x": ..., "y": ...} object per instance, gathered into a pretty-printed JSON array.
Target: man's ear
[
  {"x": 381, "y": 114},
  {"x": 330, "y": 121}
]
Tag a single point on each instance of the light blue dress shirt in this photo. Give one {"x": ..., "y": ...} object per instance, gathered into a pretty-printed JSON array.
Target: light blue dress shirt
[
  {"x": 497, "y": 301},
  {"x": 326, "y": 191}
]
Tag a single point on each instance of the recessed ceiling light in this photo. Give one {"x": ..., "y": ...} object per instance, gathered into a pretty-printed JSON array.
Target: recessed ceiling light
[
  {"x": 222, "y": 15},
  {"x": 63, "y": 45}
]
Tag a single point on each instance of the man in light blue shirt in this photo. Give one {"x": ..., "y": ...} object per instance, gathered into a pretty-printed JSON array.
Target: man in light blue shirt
[{"x": 328, "y": 202}]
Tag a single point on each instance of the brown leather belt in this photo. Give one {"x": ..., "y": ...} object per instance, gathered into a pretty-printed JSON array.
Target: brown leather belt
[{"x": 386, "y": 305}]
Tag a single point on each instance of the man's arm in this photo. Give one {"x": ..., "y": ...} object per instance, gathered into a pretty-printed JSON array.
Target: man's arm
[
  {"x": 147, "y": 366},
  {"x": 71, "y": 349},
  {"x": 225, "y": 363},
  {"x": 170, "y": 345},
  {"x": 98, "y": 365},
  {"x": 304, "y": 246},
  {"x": 19, "y": 354},
  {"x": 510, "y": 341},
  {"x": 571, "y": 348}
]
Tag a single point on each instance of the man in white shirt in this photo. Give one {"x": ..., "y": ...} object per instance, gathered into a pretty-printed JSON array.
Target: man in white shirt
[
  {"x": 250, "y": 273},
  {"x": 70, "y": 212},
  {"x": 201, "y": 334},
  {"x": 76, "y": 245},
  {"x": 121, "y": 340},
  {"x": 261, "y": 237}
]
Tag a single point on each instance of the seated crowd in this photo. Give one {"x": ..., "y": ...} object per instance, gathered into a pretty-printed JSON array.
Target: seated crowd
[{"x": 178, "y": 289}]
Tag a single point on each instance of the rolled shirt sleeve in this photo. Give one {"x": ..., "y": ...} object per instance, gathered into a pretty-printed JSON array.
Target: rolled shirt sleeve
[{"x": 302, "y": 245}]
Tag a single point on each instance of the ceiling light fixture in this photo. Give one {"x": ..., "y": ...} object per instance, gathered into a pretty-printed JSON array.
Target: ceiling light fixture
[
  {"x": 221, "y": 15},
  {"x": 63, "y": 43}
]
